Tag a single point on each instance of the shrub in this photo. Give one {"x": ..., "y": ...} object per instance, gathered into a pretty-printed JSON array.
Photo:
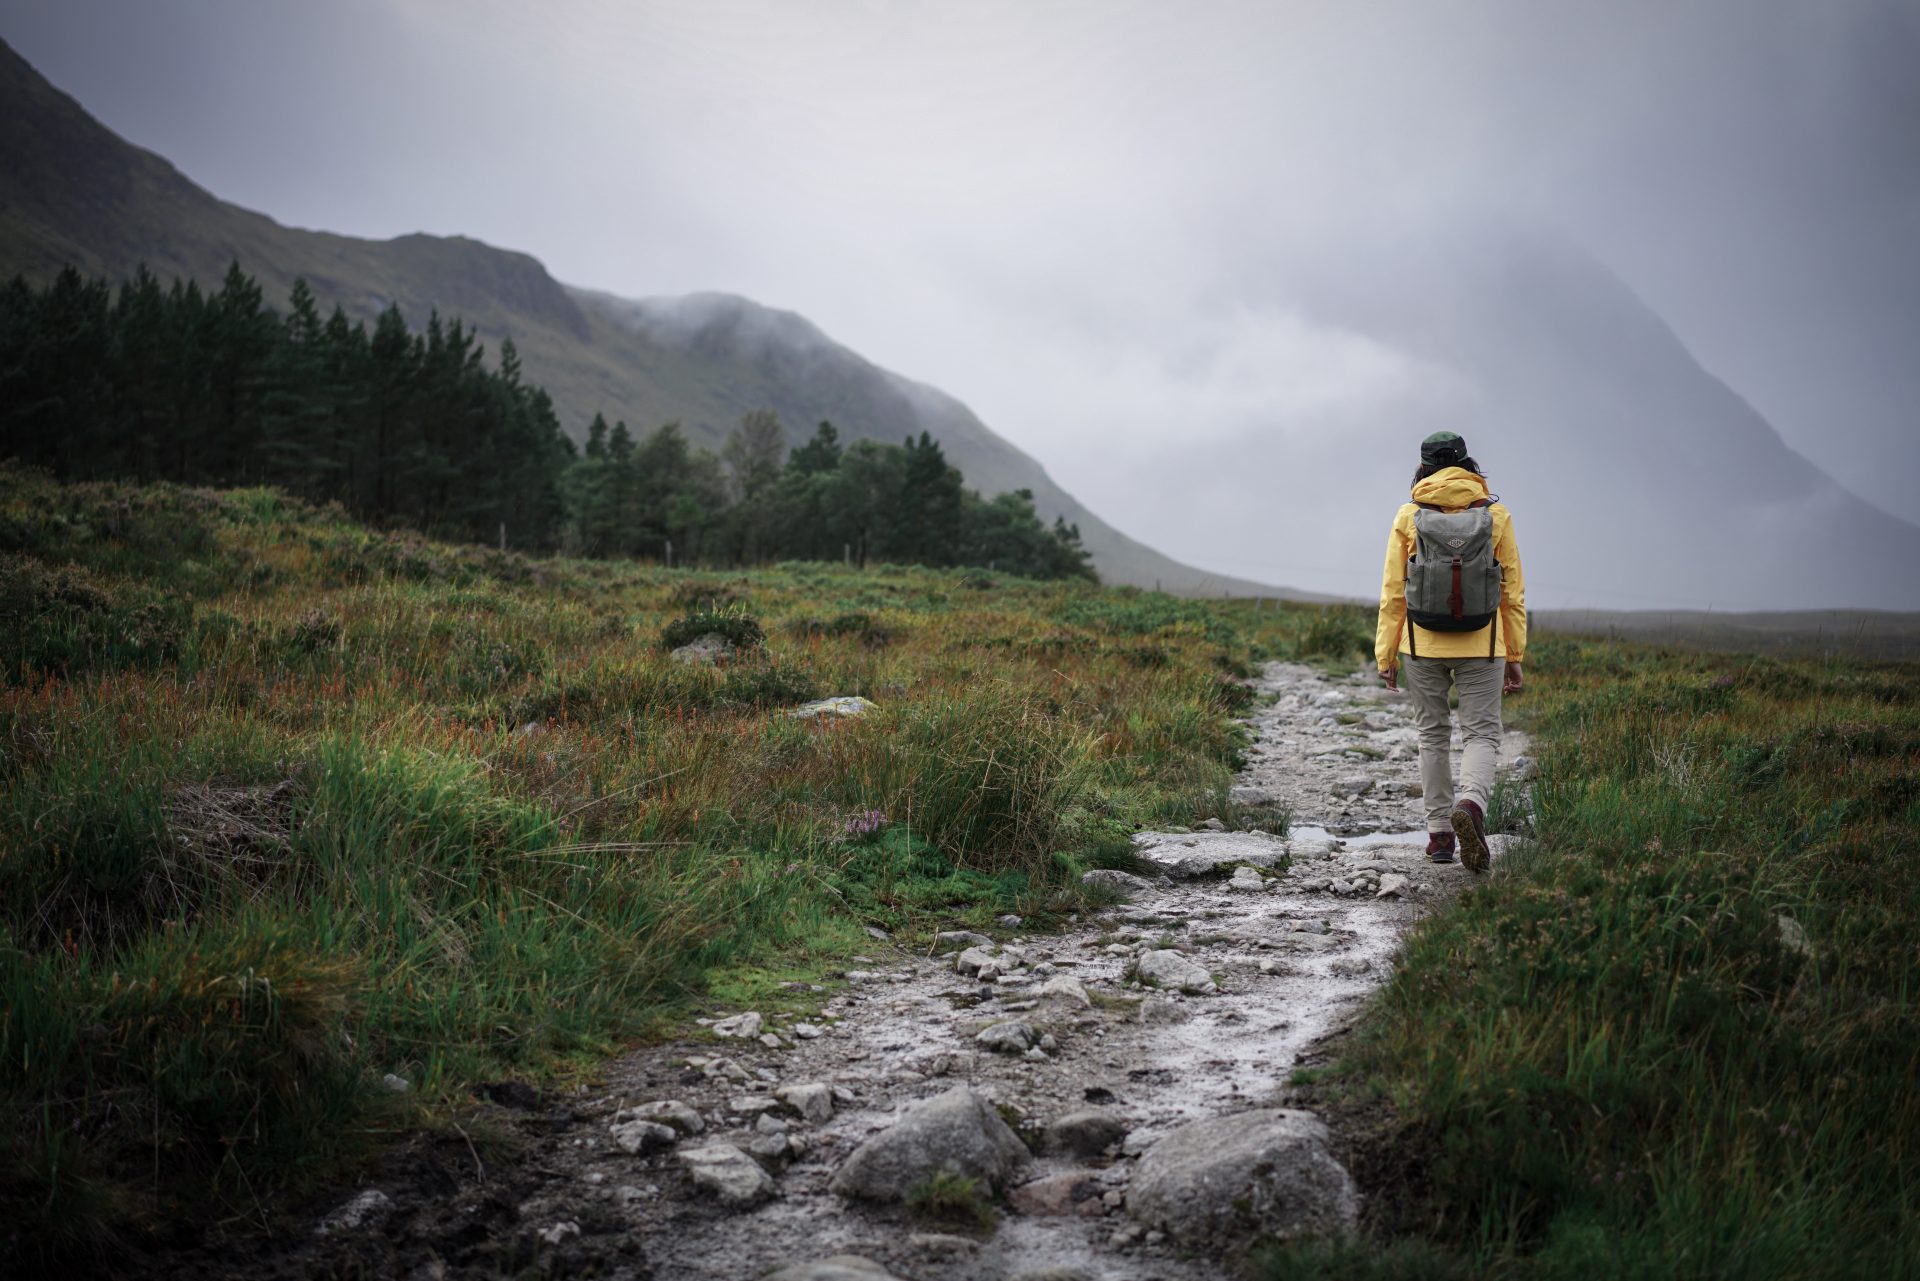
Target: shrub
[{"x": 731, "y": 622}]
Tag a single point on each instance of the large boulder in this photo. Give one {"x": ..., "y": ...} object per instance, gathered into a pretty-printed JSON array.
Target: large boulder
[
  {"x": 1266, "y": 1171},
  {"x": 958, "y": 1132}
]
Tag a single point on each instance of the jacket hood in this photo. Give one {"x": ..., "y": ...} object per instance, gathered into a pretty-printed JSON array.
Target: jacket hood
[{"x": 1453, "y": 487}]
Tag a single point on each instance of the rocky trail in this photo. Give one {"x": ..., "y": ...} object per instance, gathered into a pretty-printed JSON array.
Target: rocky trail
[{"x": 1116, "y": 1085}]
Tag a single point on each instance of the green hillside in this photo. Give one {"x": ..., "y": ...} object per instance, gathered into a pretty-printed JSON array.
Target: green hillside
[{"x": 71, "y": 191}]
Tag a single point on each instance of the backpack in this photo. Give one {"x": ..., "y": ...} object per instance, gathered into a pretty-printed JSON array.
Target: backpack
[{"x": 1453, "y": 579}]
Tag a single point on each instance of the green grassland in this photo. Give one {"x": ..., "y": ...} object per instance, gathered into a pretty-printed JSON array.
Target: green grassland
[
  {"x": 288, "y": 804},
  {"x": 1676, "y": 1036}
]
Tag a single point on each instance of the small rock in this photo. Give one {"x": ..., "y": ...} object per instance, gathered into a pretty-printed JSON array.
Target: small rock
[
  {"x": 367, "y": 1207},
  {"x": 1009, "y": 921},
  {"x": 972, "y": 960},
  {"x": 745, "y": 1026},
  {"x": 752, "y": 1104},
  {"x": 1075, "y": 1192},
  {"x": 806, "y": 1031},
  {"x": 397, "y": 1084},
  {"x": 771, "y": 1041},
  {"x": 1010, "y": 1037},
  {"x": 727, "y": 1172},
  {"x": 959, "y": 940},
  {"x": 1114, "y": 879},
  {"x": 959, "y": 1132},
  {"x": 638, "y": 1138},
  {"x": 1168, "y": 969},
  {"x": 841, "y": 1267},
  {"x": 1793, "y": 937},
  {"x": 1064, "y": 990},
  {"x": 1246, "y": 878},
  {"x": 703, "y": 649},
  {"x": 940, "y": 1244},
  {"x": 1269, "y": 966},
  {"x": 1415, "y": 788},
  {"x": 1392, "y": 885},
  {"x": 811, "y": 1101},
  {"x": 1162, "y": 1009},
  {"x": 560, "y": 1232},
  {"x": 1084, "y": 1134},
  {"x": 774, "y": 1152},
  {"x": 1212, "y": 825},
  {"x": 1525, "y": 768},
  {"x": 849, "y": 705}
]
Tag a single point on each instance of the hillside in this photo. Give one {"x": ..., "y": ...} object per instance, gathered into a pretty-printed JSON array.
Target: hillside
[{"x": 71, "y": 191}]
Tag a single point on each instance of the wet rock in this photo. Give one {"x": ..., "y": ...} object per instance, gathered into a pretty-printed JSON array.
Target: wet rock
[
  {"x": 365, "y": 1210},
  {"x": 1161, "y": 1009},
  {"x": 1168, "y": 969},
  {"x": 703, "y": 649},
  {"x": 1231, "y": 1177},
  {"x": 1116, "y": 880},
  {"x": 1392, "y": 885},
  {"x": 637, "y": 1138},
  {"x": 745, "y": 1026},
  {"x": 812, "y": 1101},
  {"x": 1065, "y": 991},
  {"x": 727, "y": 1172},
  {"x": 841, "y": 1267},
  {"x": 974, "y": 959},
  {"x": 1085, "y": 1134},
  {"x": 1010, "y": 1037},
  {"x": 959, "y": 940},
  {"x": 1198, "y": 854},
  {"x": 1246, "y": 878},
  {"x": 959, "y": 1132},
  {"x": 1075, "y": 1192}
]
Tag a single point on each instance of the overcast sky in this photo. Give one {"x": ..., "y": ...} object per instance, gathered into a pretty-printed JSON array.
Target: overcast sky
[{"x": 1046, "y": 207}]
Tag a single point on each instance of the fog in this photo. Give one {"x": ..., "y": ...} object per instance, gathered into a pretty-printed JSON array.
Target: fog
[{"x": 1171, "y": 251}]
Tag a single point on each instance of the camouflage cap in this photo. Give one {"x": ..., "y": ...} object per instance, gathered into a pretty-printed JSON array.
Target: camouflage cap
[{"x": 1443, "y": 448}]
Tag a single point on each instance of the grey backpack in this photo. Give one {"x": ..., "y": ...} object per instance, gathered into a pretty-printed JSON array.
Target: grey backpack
[{"x": 1453, "y": 578}]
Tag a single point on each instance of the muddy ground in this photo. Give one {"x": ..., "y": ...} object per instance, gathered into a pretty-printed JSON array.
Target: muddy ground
[{"x": 542, "y": 1186}]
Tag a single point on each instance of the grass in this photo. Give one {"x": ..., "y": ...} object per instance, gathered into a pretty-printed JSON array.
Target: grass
[
  {"x": 1615, "y": 1057},
  {"x": 287, "y": 804}
]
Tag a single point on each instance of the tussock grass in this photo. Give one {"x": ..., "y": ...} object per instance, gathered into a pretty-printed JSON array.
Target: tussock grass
[
  {"x": 287, "y": 805},
  {"x": 1618, "y": 1057}
]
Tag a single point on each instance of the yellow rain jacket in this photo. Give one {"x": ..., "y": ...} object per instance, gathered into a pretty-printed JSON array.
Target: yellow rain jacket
[{"x": 1453, "y": 489}]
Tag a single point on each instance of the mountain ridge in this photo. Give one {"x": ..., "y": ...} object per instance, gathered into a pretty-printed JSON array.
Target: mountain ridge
[{"x": 74, "y": 192}]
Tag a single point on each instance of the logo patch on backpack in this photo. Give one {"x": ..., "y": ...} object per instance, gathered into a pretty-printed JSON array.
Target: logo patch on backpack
[{"x": 1456, "y": 542}]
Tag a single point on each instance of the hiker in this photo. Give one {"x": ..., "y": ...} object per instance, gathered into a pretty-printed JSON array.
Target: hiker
[{"x": 1453, "y": 611}]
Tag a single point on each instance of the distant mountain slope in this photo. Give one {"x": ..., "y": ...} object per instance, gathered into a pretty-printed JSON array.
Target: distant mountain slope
[
  {"x": 72, "y": 191},
  {"x": 1637, "y": 478}
]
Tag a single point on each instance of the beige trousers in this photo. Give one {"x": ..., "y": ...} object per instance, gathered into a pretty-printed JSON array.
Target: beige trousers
[{"x": 1478, "y": 681}]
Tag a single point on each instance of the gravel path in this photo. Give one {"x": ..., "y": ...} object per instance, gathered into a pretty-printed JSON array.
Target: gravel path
[{"x": 1291, "y": 955}]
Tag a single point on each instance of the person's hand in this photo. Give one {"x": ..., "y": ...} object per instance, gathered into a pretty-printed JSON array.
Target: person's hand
[
  {"x": 1390, "y": 676},
  {"x": 1514, "y": 681}
]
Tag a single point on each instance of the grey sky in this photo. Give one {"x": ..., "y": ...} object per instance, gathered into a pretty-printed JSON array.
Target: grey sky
[{"x": 1049, "y": 209}]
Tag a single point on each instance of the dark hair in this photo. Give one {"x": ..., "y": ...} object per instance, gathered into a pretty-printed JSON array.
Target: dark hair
[{"x": 1427, "y": 469}]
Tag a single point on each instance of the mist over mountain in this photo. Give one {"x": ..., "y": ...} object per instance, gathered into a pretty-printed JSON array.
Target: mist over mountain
[
  {"x": 1637, "y": 478},
  {"x": 71, "y": 191}
]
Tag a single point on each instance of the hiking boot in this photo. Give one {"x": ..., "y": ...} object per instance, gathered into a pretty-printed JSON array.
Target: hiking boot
[
  {"x": 1440, "y": 847},
  {"x": 1470, "y": 825}
]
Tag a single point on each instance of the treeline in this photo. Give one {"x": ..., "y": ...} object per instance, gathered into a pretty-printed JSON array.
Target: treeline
[
  {"x": 217, "y": 388},
  {"x": 756, "y": 502},
  {"x": 173, "y": 383}
]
